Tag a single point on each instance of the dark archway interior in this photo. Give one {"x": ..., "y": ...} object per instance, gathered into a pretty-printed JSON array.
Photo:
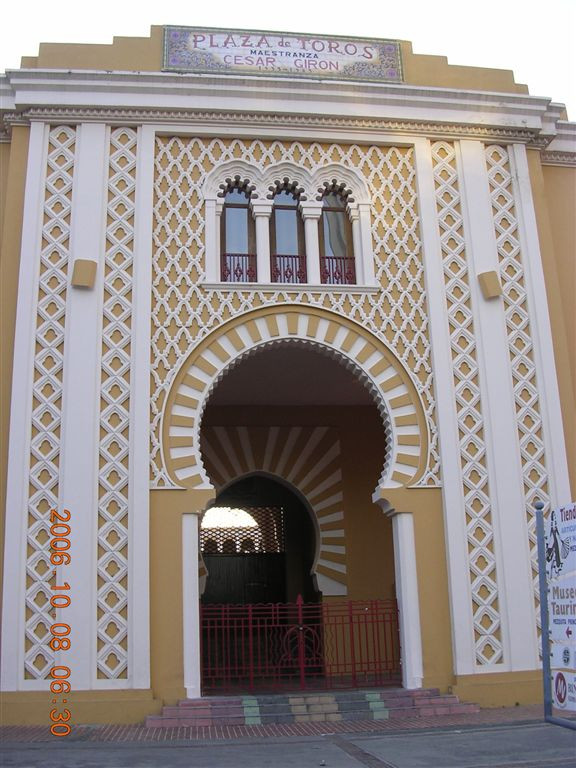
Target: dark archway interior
[
  {"x": 264, "y": 576},
  {"x": 289, "y": 374}
]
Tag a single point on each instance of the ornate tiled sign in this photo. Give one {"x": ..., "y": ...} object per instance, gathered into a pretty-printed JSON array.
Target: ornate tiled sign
[{"x": 229, "y": 51}]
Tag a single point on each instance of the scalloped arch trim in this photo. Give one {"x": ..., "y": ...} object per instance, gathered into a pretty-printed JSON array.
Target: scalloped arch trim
[
  {"x": 351, "y": 345},
  {"x": 264, "y": 180}
]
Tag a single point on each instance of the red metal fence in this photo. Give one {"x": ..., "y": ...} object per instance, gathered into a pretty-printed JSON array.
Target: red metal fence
[
  {"x": 337, "y": 270},
  {"x": 279, "y": 646},
  {"x": 288, "y": 269},
  {"x": 238, "y": 268}
]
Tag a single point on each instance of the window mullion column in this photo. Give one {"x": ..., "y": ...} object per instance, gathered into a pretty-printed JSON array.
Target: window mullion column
[
  {"x": 213, "y": 254},
  {"x": 366, "y": 248},
  {"x": 261, "y": 210},
  {"x": 354, "y": 215},
  {"x": 311, "y": 212}
]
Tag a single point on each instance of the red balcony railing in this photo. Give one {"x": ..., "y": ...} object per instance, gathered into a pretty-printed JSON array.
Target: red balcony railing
[
  {"x": 283, "y": 646},
  {"x": 238, "y": 268},
  {"x": 337, "y": 270},
  {"x": 288, "y": 269}
]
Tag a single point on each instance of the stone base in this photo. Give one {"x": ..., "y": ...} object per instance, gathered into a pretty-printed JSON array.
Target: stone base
[
  {"x": 86, "y": 707},
  {"x": 500, "y": 689}
]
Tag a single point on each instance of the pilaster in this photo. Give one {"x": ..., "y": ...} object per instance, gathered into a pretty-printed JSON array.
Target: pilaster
[
  {"x": 454, "y": 516},
  {"x": 17, "y": 492},
  {"x": 139, "y": 494},
  {"x": 81, "y": 403},
  {"x": 508, "y": 515}
]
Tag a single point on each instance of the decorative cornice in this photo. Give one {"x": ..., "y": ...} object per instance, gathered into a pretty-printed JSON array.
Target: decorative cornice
[
  {"x": 559, "y": 158},
  {"x": 244, "y": 122},
  {"x": 281, "y": 103}
]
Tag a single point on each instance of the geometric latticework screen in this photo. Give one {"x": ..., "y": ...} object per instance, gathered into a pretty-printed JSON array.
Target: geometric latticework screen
[
  {"x": 184, "y": 311},
  {"x": 46, "y": 400},
  {"x": 476, "y": 491},
  {"x": 520, "y": 345},
  {"x": 249, "y": 530}
]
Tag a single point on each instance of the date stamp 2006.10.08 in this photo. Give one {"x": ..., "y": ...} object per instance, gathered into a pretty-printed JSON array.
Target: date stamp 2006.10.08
[{"x": 60, "y": 641}]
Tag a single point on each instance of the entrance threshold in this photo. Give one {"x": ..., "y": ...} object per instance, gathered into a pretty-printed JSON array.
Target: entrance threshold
[{"x": 327, "y": 707}]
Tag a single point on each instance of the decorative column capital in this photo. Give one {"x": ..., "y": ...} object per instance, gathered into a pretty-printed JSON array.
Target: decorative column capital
[
  {"x": 311, "y": 209},
  {"x": 353, "y": 211},
  {"x": 215, "y": 205},
  {"x": 261, "y": 208}
]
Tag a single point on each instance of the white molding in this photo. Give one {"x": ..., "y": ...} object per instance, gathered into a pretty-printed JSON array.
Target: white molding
[
  {"x": 191, "y": 605},
  {"x": 14, "y": 581},
  {"x": 503, "y": 462},
  {"x": 454, "y": 516},
  {"x": 81, "y": 402},
  {"x": 564, "y": 139},
  {"x": 138, "y": 493},
  {"x": 262, "y": 179},
  {"x": 553, "y": 426},
  {"x": 290, "y": 287},
  {"x": 364, "y": 130},
  {"x": 158, "y": 90}
]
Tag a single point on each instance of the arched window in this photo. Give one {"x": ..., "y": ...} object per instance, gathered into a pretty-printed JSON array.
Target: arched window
[
  {"x": 263, "y": 226},
  {"x": 237, "y": 238},
  {"x": 337, "y": 263},
  {"x": 288, "y": 253}
]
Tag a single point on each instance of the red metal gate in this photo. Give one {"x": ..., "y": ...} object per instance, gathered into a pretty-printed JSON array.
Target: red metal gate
[{"x": 278, "y": 646}]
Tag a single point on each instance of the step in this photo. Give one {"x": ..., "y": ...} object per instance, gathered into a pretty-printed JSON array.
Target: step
[{"x": 300, "y": 707}]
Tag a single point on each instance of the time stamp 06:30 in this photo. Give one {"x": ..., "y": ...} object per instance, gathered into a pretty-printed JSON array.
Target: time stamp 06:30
[{"x": 60, "y": 632}]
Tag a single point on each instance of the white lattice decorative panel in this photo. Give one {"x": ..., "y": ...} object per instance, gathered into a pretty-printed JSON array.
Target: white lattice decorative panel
[
  {"x": 47, "y": 399},
  {"x": 112, "y": 596},
  {"x": 184, "y": 312},
  {"x": 476, "y": 492},
  {"x": 526, "y": 399}
]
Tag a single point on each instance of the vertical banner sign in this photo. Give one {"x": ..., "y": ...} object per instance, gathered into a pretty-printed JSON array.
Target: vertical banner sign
[{"x": 560, "y": 547}]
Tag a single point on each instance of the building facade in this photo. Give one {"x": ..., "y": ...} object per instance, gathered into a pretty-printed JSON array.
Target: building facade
[{"x": 348, "y": 272}]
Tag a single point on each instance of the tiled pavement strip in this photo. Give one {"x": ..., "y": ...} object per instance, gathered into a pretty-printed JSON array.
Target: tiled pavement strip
[{"x": 139, "y": 733}]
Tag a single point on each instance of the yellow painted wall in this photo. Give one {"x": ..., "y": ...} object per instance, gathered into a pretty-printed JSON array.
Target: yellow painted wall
[
  {"x": 560, "y": 192},
  {"x": 4, "y": 165},
  {"x": 435, "y": 619},
  {"x": 12, "y": 178},
  {"x": 436, "y": 72},
  {"x": 554, "y": 191},
  {"x": 166, "y": 623},
  {"x": 145, "y": 55},
  {"x": 141, "y": 54}
]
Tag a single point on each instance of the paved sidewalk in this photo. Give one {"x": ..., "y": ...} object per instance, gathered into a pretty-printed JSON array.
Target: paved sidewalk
[
  {"x": 138, "y": 733},
  {"x": 497, "y": 738},
  {"x": 512, "y": 745}
]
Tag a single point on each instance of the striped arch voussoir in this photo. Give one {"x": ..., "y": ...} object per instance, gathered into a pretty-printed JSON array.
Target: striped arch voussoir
[{"x": 351, "y": 345}]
